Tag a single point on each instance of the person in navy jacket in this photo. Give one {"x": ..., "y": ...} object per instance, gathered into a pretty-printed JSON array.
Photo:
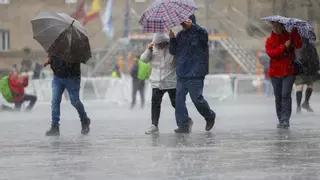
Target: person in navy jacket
[{"x": 191, "y": 50}]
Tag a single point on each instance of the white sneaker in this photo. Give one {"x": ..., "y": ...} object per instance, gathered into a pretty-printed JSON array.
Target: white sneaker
[{"x": 152, "y": 129}]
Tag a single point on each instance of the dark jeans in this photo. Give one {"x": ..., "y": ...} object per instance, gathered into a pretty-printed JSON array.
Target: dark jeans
[
  {"x": 282, "y": 88},
  {"x": 195, "y": 89},
  {"x": 32, "y": 101},
  {"x": 156, "y": 100},
  {"x": 137, "y": 85},
  {"x": 72, "y": 85},
  {"x": 17, "y": 105}
]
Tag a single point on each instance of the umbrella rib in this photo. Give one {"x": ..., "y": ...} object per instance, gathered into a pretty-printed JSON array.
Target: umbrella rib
[{"x": 49, "y": 28}]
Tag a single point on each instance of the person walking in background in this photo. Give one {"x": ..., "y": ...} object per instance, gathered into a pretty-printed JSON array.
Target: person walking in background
[
  {"x": 309, "y": 57},
  {"x": 282, "y": 71},
  {"x": 66, "y": 76},
  {"x": 137, "y": 84},
  {"x": 116, "y": 71},
  {"x": 162, "y": 78},
  {"x": 14, "y": 68},
  {"x": 265, "y": 61},
  {"x": 191, "y": 50},
  {"x": 17, "y": 84}
]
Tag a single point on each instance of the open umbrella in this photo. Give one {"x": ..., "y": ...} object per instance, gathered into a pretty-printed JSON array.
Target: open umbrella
[
  {"x": 163, "y": 15},
  {"x": 61, "y": 35},
  {"x": 304, "y": 28}
]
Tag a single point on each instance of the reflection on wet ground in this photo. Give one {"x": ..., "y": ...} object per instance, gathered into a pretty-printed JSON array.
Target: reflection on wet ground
[{"x": 242, "y": 146}]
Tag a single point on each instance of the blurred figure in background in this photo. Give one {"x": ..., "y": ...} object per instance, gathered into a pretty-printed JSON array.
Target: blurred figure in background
[
  {"x": 26, "y": 63},
  {"x": 137, "y": 84},
  {"x": 309, "y": 57},
  {"x": 280, "y": 47},
  {"x": 17, "y": 84},
  {"x": 37, "y": 71},
  {"x": 162, "y": 78},
  {"x": 116, "y": 71},
  {"x": 265, "y": 61},
  {"x": 14, "y": 68},
  {"x": 191, "y": 50}
]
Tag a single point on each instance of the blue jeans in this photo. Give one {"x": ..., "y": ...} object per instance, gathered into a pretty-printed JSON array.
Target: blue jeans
[
  {"x": 282, "y": 88},
  {"x": 73, "y": 87},
  {"x": 195, "y": 89}
]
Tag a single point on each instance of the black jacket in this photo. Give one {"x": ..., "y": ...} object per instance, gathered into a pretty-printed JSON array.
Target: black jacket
[{"x": 64, "y": 69}]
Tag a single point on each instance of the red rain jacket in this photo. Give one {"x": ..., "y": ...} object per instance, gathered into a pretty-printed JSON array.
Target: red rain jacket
[
  {"x": 17, "y": 85},
  {"x": 280, "y": 60}
]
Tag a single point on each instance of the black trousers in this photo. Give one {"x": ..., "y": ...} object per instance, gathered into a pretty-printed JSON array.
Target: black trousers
[
  {"x": 156, "y": 101},
  {"x": 17, "y": 105},
  {"x": 137, "y": 85}
]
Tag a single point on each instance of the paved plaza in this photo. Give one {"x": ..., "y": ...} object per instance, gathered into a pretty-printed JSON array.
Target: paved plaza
[{"x": 244, "y": 144}]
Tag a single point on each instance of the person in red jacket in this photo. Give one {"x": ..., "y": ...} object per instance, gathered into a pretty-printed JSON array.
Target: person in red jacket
[
  {"x": 280, "y": 48},
  {"x": 17, "y": 84}
]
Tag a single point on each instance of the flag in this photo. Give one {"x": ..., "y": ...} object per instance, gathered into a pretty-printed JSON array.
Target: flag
[
  {"x": 80, "y": 12},
  {"x": 93, "y": 12},
  {"x": 126, "y": 25},
  {"x": 107, "y": 20}
]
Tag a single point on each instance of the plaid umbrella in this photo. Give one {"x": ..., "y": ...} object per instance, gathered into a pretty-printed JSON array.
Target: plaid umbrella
[
  {"x": 61, "y": 35},
  {"x": 165, "y": 14},
  {"x": 304, "y": 28}
]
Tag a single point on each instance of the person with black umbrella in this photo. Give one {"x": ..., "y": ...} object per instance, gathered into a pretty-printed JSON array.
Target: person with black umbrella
[
  {"x": 67, "y": 44},
  {"x": 66, "y": 76}
]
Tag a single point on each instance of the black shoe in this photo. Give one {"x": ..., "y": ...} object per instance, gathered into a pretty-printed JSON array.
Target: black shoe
[
  {"x": 182, "y": 130},
  {"x": 307, "y": 107},
  {"x": 279, "y": 126},
  {"x": 53, "y": 131},
  {"x": 85, "y": 125},
  {"x": 298, "y": 110},
  {"x": 210, "y": 123},
  {"x": 285, "y": 125}
]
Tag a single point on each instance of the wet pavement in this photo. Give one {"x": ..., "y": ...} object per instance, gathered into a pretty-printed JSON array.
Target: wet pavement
[{"x": 244, "y": 145}]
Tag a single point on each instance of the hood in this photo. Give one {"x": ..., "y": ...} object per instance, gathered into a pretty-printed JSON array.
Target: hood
[
  {"x": 159, "y": 38},
  {"x": 193, "y": 18}
]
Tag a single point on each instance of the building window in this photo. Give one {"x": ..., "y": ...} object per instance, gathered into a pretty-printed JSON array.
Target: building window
[
  {"x": 4, "y": 40},
  {"x": 70, "y": 1},
  {"x": 4, "y": 1}
]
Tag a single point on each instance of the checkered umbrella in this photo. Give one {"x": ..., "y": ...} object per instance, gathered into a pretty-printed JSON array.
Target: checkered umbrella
[
  {"x": 165, "y": 14},
  {"x": 304, "y": 28}
]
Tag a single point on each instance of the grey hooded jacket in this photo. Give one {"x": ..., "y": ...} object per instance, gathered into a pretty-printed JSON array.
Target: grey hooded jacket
[{"x": 163, "y": 73}]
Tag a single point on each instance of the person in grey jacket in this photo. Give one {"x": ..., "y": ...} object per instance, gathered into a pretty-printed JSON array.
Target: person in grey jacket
[{"x": 162, "y": 78}]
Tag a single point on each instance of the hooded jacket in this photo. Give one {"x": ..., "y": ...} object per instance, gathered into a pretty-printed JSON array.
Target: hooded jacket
[
  {"x": 163, "y": 73},
  {"x": 17, "y": 85},
  {"x": 191, "y": 50},
  {"x": 280, "y": 58}
]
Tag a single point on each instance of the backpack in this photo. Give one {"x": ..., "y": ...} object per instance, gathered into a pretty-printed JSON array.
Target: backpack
[
  {"x": 5, "y": 89},
  {"x": 144, "y": 70}
]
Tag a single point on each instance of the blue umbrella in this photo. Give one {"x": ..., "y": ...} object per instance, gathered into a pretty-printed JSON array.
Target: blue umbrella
[
  {"x": 277, "y": 18},
  {"x": 304, "y": 28}
]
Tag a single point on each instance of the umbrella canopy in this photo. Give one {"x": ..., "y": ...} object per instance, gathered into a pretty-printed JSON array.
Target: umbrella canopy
[
  {"x": 276, "y": 18},
  {"x": 163, "y": 15},
  {"x": 304, "y": 28},
  {"x": 61, "y": 35}
]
